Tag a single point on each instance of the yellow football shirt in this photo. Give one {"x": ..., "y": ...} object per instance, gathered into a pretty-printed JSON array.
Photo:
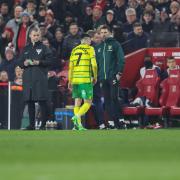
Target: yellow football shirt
[{"x": 82, "y": 65}]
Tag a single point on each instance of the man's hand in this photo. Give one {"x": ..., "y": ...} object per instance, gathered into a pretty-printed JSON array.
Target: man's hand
[
  {"x": 35, "y": 62},
  {"x": 69, "y": 85},
  {"x": 118, "y": 76},
  {"x": 4, "y": 35},
  {"x": 116, "y": 79},
  {"x": 94, "y": 81},
  {"x": 27, "y": 62},
  {"x": 51, "y": 74}
]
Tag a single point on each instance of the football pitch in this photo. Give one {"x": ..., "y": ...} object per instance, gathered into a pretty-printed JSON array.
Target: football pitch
[{"x": 90, "y": 155}]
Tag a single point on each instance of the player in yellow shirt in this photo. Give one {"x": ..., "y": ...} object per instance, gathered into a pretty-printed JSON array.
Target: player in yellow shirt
[{"x": 82, "y": 75}]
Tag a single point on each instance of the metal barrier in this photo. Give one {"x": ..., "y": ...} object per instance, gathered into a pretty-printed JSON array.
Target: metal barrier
[{"x": 11, "y": 105}]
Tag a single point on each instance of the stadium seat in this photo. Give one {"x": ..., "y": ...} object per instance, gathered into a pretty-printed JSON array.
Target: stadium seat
[
  {"x": 147, "y": 87},
  {"x": 151, "y": 83},
  {"x": 178, "y": 61},
  {"x": 162, "y": 110},
  {"x": 173, "y": 100},
  {"x": 169, "y": 99},
  {"x": 136, "y": 111},
  {"x": 174, "y": 91}
]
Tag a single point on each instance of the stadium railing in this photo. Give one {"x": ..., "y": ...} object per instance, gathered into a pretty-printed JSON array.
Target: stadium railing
[{"x": 11, "y": 105}]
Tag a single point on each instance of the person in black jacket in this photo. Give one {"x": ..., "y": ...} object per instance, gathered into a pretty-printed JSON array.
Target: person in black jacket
[
  {"x": 131, "y": 19},
  {"x": 137, "y": 39},
  {"x": 71, "y": 40},
  {"x": 148, "y": 22},
  {"x": 110, "y": 19},
  {"x": 9, "y": 63},
  {"x": 35, "y": 59}
]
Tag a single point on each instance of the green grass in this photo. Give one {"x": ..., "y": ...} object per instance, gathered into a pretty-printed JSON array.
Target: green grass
[{"x": 90, "y": 155}]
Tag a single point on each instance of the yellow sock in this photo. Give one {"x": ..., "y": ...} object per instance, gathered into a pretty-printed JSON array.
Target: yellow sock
[
  {"x": 83, "y": 109},
  {"x": 76, "y": 110}
]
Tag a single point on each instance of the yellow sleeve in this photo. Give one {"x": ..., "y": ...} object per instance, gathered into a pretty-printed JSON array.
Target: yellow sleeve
[
  {"x": 93, "y": 62},
  {"x": 70, "y": 69}
]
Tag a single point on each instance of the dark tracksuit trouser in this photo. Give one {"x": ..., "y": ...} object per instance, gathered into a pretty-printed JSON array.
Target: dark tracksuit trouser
[
  {"x": 98, "y": 105},
  {"x": 112, "y": 106},
  {"x": 43, "y": 109}
]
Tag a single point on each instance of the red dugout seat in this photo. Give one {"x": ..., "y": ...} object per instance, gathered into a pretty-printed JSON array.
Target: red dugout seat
[
  {"x": 173, "y": 100},
  {"x": 174, "y": 91},
  {"x": 178, "y": 61},
  {"x": 162, "y": 110},
  {"x": 148, "y": 87},
  {"x": 170, "y": 97}
]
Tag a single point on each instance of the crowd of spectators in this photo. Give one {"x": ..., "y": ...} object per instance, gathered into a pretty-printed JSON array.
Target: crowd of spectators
[{"x": 134, "y": 23}]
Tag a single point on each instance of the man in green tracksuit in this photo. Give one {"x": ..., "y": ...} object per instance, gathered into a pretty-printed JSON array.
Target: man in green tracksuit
[{"x": 110, "y": 61}]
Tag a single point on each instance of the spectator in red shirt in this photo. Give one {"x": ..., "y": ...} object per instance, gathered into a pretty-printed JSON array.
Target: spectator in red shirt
[
  {"x": 23, "y": 30},
  {"x": 101, "y": 3}
]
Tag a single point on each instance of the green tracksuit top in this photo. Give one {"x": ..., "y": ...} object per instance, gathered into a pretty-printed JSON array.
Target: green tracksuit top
[{"x": 110, "y": 59}]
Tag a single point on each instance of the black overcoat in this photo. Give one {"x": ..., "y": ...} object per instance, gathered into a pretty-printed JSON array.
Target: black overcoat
[{"x": 35, "y": 80}]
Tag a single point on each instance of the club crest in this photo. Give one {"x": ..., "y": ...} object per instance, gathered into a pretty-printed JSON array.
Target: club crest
[
  {"x": 110, "y": 48},
  {"x": 38, "y": 51}
]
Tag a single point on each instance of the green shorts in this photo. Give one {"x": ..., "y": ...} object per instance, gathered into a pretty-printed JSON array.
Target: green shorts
[{"x": 82, "y": 91}]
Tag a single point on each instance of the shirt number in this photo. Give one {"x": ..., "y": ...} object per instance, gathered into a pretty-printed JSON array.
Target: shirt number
[{"x": 79, "y": 58}]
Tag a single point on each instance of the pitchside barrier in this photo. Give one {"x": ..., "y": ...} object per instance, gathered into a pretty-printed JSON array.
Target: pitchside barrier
[
  {"x": 11, "y": 106},
  {"x": 63, "y": 117}
]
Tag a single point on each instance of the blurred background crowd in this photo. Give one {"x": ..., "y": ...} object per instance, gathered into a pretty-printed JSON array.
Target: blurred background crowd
[{"x": 135, "y": 24}]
